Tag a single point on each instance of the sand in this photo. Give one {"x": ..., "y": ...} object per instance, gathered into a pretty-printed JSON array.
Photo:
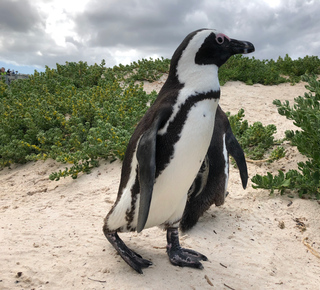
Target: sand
[{"x": 51, "y": 232}]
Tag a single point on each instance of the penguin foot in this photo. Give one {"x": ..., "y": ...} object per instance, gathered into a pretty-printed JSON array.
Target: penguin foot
[
  {"x": 133, "y": 259},
  {"x": 179, "y": 256}
]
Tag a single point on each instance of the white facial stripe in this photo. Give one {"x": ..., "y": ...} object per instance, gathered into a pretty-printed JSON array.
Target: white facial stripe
[{"x": 196, "y": 78}]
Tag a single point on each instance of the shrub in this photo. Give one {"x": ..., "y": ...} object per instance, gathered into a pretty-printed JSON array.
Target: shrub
[
  {"x": 78, "y": 113},
  {"x": 250, "y": 71},
  {"x": 58, "y": 114},
  {"x": 255, "y": 139},
  {"x": 306, "y": 115}
]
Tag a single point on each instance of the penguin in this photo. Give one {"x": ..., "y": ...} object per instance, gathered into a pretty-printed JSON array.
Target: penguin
[
  {"x": 210, "y": 185},
  {"x": 168, "y": 146}
]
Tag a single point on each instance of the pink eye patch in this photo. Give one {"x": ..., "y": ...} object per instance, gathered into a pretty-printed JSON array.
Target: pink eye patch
[{"x": 220, "y": 38}]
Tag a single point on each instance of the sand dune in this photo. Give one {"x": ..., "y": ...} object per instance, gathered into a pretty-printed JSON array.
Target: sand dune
[{"x": 51, "y": 232}]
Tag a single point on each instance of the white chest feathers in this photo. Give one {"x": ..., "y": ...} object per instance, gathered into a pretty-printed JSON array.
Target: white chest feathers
[{"x": 172, "y": 185}]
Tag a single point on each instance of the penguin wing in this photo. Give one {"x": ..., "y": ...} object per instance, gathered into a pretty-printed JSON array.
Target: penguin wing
[
  {"x": 235, "y": 150},
  {"x": 146, "y": 156}
]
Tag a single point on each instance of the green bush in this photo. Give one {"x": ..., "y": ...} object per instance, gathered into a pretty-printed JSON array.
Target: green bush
[
  {"x": 295, "y": 69},
  {"x": 255, "y": 139},
  {"x": 73, "y": 119},
  {"x": 142, "y": 70},
  {"x": 306, "y": 115},
  {"x": 250, "y": 71},
  {"x": 78, "y": 113},
  {"x": 267, "y": 72}
]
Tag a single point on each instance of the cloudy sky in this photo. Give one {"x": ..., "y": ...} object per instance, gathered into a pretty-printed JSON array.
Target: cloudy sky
[{"x": 36, "y": 33}]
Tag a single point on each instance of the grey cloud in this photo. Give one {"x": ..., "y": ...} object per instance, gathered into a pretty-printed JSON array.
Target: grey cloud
[
  {"x": 133, "y": 23},
  {"x": 18, "y": 16},
  {"x": 109, "y": 28}
]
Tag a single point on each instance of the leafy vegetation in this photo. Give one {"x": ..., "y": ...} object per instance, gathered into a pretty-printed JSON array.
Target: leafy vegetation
[
  {"x": 142, "y": 70},
  {"x": 268, "y": 72},
  {"x": 69, "y": 114},
  {"x": 256, "y": 140},
  {"x": 306, "y": 115},
  {"x": 78, "y": 113}
]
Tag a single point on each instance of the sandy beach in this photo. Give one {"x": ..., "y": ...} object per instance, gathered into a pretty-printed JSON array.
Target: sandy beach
[{"x": 51, "y": 232}]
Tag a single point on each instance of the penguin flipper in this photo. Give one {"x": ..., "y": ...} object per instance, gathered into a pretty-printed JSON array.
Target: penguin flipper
[
  {"x": 235, "y": 150},
  {"x": 146, "y": 156}
]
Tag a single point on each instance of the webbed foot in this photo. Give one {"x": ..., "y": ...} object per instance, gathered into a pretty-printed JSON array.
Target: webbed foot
[
  {"x": 133, "y": 259},
  {"x": 179, "y": 256}
]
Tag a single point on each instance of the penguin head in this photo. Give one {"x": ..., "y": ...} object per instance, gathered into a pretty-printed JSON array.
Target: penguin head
[
  {"x": 196, "y": 61},
  {"x": 216, "y": 48},
  {"x": 208, "y": 47}
]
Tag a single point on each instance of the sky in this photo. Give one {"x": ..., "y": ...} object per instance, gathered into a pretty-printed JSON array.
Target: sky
[{"x": 39, "y": 33}]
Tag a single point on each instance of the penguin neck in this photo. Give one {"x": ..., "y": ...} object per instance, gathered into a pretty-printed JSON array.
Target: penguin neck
[{"x": 198, "y": 78}]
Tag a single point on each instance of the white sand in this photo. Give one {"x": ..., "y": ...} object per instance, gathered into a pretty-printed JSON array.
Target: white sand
[{"x": 51, "y": 232}]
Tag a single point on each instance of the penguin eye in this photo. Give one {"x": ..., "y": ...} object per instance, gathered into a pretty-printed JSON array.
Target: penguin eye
[
  {"x": 220, "y": 37},
  {"x": 219, "y": 40}
]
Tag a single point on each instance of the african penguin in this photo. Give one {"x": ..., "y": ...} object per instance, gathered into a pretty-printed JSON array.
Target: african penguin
[
  {"x": 168, "y": 147},
  {"x": 210, "y": 185}
]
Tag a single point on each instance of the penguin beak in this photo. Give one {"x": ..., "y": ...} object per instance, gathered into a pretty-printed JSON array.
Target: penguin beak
[{"x": 240, "y": 47}]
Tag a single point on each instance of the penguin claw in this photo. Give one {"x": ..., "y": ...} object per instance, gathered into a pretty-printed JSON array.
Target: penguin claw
[
  {"x": 137, "y": 263},
  {"x": 179, "y": 256},
  {"x": 133, "y": 259},
  {"x": 186, "y": 258},
  {"x": 194, "y": 254}
]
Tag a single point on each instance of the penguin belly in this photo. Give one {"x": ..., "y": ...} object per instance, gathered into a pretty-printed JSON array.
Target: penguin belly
[{"x": 171, "y": 186}]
